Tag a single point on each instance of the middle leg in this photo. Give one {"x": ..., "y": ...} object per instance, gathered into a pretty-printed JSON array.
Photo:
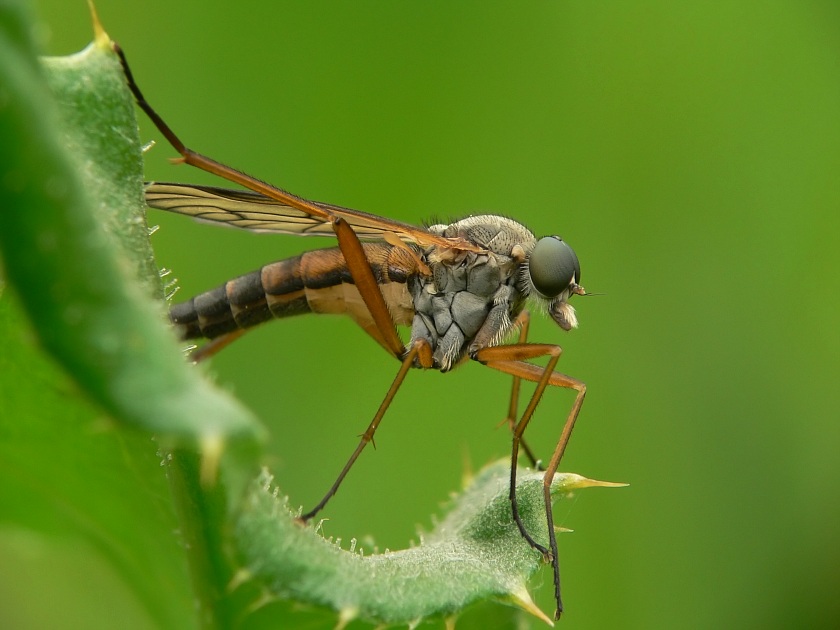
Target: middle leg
[{"x": 423, "y": 354}]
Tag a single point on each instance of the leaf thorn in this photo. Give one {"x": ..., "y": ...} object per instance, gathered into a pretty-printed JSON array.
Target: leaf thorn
[
  {"x": 345, "y": 616},
  {"x": 100, "y": 37},
  {"x": 212, "y": 446},
  {"x": 522, "y": 598}
]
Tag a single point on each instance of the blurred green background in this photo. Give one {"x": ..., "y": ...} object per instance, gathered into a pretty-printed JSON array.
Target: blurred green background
[{"x": 689, "y": 152}]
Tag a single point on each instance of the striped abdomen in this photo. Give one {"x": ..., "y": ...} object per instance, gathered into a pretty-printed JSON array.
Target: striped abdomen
[{"x": 314, "y": 282}]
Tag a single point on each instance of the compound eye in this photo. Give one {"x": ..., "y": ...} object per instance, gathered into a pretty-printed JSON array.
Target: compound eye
[{"x": 553, "y": 266}]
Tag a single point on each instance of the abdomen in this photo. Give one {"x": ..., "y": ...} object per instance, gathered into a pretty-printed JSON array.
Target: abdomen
[{"x": 314, "y": 282}]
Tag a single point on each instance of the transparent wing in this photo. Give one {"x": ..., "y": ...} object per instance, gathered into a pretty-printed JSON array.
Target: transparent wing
[{"x": 256, "y": 212}]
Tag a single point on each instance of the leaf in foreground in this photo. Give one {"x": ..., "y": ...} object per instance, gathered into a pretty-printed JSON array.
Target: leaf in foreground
[
  {"x": 476, "y": 552},
  {"x": 75, "y": 245}
]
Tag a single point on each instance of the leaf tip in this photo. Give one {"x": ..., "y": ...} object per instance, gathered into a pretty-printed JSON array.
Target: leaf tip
[
  {"x": 345, "y": 616},
  {"x": 262, "y": 601},
  {"x": 100, "y": 38},
  {"x": 522, "y": 599},
  {"x": 240, "y": 577},
  {"x": 212, "y": 447},
  {"x": 566, "y": 482},
  {"x": 468, "y": 473}
]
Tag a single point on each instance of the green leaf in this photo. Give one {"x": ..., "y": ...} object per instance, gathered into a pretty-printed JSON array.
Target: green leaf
[
  {"x": 77, "y": 497},
  {"x": 89, "y": 371},
  {"x": 476, "y": 552},
  {"x": 76, "y": 248}
]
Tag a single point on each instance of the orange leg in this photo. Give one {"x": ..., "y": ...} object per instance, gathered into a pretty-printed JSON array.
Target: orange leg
[
  {"x": 511, "y": 359},
  {"x": 214, "y": 346},
  {"x": 522, "y": 321},
  {"x": 363, "y": 278},
  {"x": 423, "y": 354}
]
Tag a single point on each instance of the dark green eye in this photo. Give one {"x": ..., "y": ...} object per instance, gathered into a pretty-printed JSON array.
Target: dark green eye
[{"x": 553, "y": 266}]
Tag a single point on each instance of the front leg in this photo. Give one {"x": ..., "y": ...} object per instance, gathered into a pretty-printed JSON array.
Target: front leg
[
  {"x": 522, "y": 322},
  {"x": 512, "y": 359}
]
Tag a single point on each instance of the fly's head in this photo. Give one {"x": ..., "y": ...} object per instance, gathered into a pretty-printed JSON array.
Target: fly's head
[{"x": 552, "y": 273}]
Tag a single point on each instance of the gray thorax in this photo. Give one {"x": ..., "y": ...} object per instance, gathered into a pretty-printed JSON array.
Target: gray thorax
[{"x": 471, "y": 299}]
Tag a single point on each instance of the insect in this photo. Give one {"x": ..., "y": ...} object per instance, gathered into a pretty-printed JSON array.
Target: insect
[{"x": 462, "y": 288}]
